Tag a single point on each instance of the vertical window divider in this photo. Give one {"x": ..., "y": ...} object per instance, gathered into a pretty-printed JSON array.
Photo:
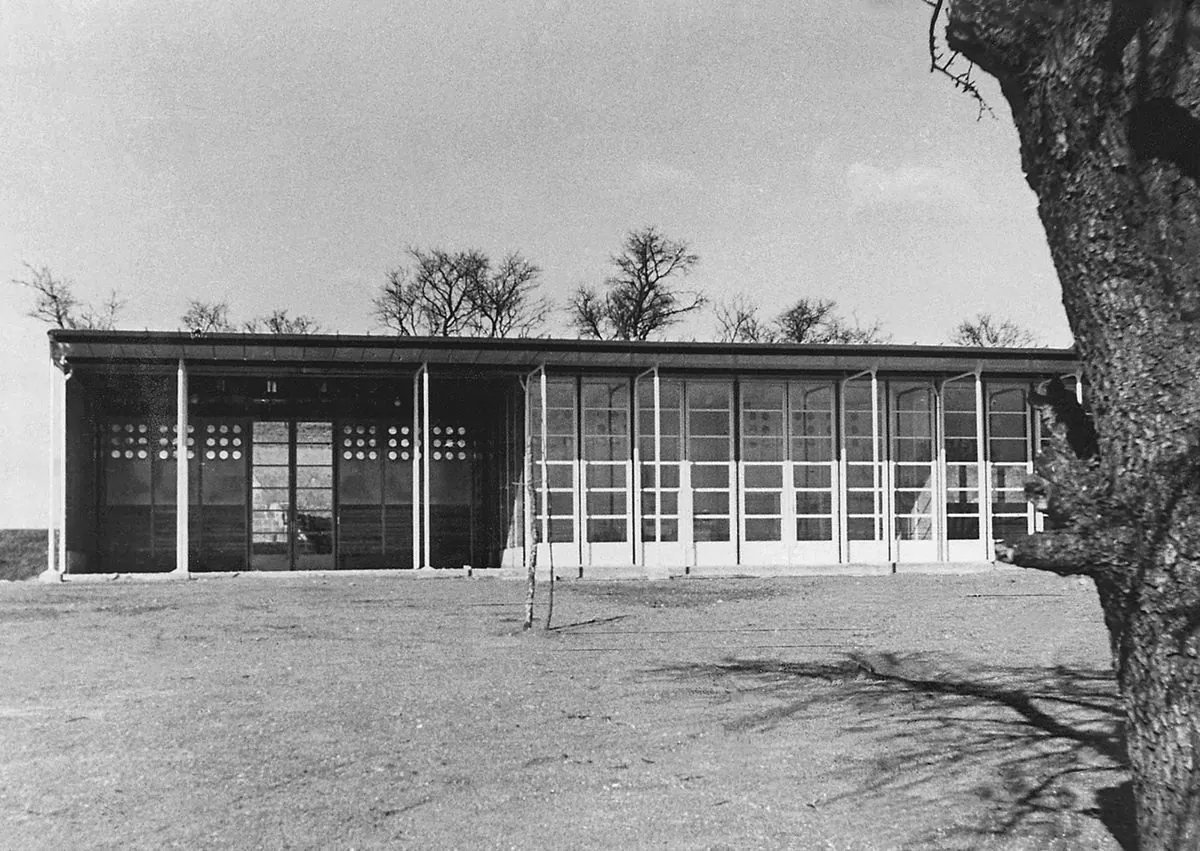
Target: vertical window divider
[
  {"x": 843, "y": 516},
  {"x": 941, "y": 531},
  {"x": 985, "y": 477}
]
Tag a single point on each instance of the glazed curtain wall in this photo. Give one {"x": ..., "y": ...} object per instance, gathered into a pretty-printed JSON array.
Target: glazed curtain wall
[{"x": 664, "y": 470}]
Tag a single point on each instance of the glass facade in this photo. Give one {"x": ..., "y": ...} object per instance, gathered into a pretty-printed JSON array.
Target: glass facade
[{"x": 684, "y": 470}]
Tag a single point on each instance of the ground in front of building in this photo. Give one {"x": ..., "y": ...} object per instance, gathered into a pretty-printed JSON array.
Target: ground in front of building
[{"x": 368, "y": 711}]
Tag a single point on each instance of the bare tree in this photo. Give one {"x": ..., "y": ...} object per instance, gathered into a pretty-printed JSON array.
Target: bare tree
[
  {"x": 207, "y": 317},
  {"x": 641, "y": 299},
  {"x": 988, "y": 331},
  {"x": 279, "y": 322},
  {"x": 55, "y": 302},
  {"x": 505, "y": 300},
  {"x": 808, "y": 320},
  {"x": 738, "y": 322},
  {"x": 458, "y": 294},
  {"x": 1106, "y": 102}
]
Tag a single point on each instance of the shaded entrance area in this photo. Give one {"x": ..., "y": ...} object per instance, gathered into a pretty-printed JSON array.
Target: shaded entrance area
[{"x": 305, "y": 473}]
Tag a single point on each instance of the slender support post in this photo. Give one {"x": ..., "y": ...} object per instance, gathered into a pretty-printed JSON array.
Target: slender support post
[
  {"x": 658, "y": 469},
  {"x": 636, "y": 478},
  {"x": 545, "y": 482},
  {"x": 181, "y": 470},
  {"x": 416, "y": 469},
  {"x": 843, "y": 519},
  {"x": 425, "y": 455},
  {"x": 939, "y": 445},
  {"x": 51, "y": 474},
  {"x": 876, "y": 472},
  {"x": 63, "y": 568},
  {"x": 984, "y": 477}
]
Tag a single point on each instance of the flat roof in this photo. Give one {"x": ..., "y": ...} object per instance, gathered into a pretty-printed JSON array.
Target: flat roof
[{"x": 341, "y": 351}]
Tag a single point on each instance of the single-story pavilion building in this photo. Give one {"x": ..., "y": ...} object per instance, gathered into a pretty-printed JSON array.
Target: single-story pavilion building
[{"x": 650, "y": 459}]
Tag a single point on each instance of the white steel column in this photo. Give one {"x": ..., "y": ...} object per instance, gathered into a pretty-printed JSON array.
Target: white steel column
[
  {"x": 425, "y": 455},
  {"x": 62, "y": 470},
  {"x": 51, "y": 475},
  {"x": 883, "y": 491},
  {"x": 658, "y": 469},
  {"x": 985, "y": 477},
  {"x": 545, "y": 482},
  {"x": 843, "y": 519},
  {"x": 636, "y": 480},
  {"x": 416, "y": 469},
  {"x": 181, "y": 470},
  {"x": 940, "y": 448}
]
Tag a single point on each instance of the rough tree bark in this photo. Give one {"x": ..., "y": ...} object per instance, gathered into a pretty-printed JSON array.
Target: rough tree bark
[{"x": 1106, "y": 99}]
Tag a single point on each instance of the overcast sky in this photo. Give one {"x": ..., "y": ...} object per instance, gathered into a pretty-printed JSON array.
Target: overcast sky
[{"x": 284, "y": 155}]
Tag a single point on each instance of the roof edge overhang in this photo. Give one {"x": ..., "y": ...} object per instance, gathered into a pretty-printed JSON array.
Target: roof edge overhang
[{"x": 267, "y": 351}]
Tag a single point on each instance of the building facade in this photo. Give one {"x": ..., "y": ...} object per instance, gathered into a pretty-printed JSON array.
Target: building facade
[{"x": 616, "y": 458}]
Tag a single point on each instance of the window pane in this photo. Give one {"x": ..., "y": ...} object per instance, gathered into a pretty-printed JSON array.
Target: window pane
[
  {"x": 960, "y": 425},
  {"x": 962, "y": 528},
  {"x": 606, "y": 530},
  {"x": 1009, "y": 528},
  {"x": 314, "y": 477},
  {"x": 858, "y": 502},
  {"x": 814, "y": 529},
  {"x": 762, "y": 449},
  {"x": 710, "y": 529},
  {"x": 961, "y": 449},
  {"x": 707, "y": 423},
  {"x": 761, "y": 529},
  {"x": 1008, "y": 450},
  {"x": 562, "y": 504},
  {"x": 959, "y": 396},
  {"x": 710, "y": 476},
  {"x": 606, "y": 448},
  {"x": 762, "y": 503},
  {"x": 670, "y": 502},
  {"x": 670, "y": 530},
  {"x": 606, "y": 502},
  {"x": 270, "y": 477},
  {"x": 764, "y": 477},
  {"x": 860, "y": 475},
  {"x": 1012, "y": 400},
  {"x": 914, "y": 528},
  {"x": 314, "y": 499},
  {"x": 561, "y": 531},
  {"x": 669, "y": 472},
  {"x": 762, "y": 396},
  {"x": 913, "y": 502},
  {"x": 812, "y": 449},
  {"x": 708, "y": 395},
  {"x": 913, "y": 477},
  {"x": 913, "y": 450},
  {"x": 812, "y": 477},
  {"x": 962, "y": 476},
  {"x": 1007, "y": 425},
  {"x": 708, "y": 449},
  {"x": 814, "y": 502},
  {"x": 710, "y": 502},
  {"x": 861, "y": 528},
  {"x": 606, "y": 475}
]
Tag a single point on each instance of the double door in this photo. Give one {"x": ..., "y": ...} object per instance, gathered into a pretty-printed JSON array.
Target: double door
[{"x": 291, "y": 490}]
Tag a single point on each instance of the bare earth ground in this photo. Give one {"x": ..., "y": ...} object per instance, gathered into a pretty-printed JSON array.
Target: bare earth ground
[{"x": 367, "y": 712}]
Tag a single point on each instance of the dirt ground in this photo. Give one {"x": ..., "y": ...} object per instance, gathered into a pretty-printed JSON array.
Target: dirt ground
[{"x": 386, "y": 712}]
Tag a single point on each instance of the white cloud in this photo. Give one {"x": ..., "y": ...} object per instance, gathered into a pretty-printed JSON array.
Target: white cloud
[
  {"x": 869, "y": 186},
  {"x": 662, "y": 175}
]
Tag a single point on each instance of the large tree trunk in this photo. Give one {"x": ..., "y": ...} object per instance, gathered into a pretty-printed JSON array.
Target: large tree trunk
[{"x": 1106, "y": 98}]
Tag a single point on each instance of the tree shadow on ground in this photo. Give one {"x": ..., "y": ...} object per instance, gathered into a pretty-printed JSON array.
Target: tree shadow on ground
[{"x": 1040, "y": 748}]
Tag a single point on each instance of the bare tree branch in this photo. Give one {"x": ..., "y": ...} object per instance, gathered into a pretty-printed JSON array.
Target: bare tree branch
[
  {"x": 988, "y": 331},
  {"x": 640, "y": 299},
  {"x": 207, "y": 317},
  {"x": 279, "y": 322}
]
